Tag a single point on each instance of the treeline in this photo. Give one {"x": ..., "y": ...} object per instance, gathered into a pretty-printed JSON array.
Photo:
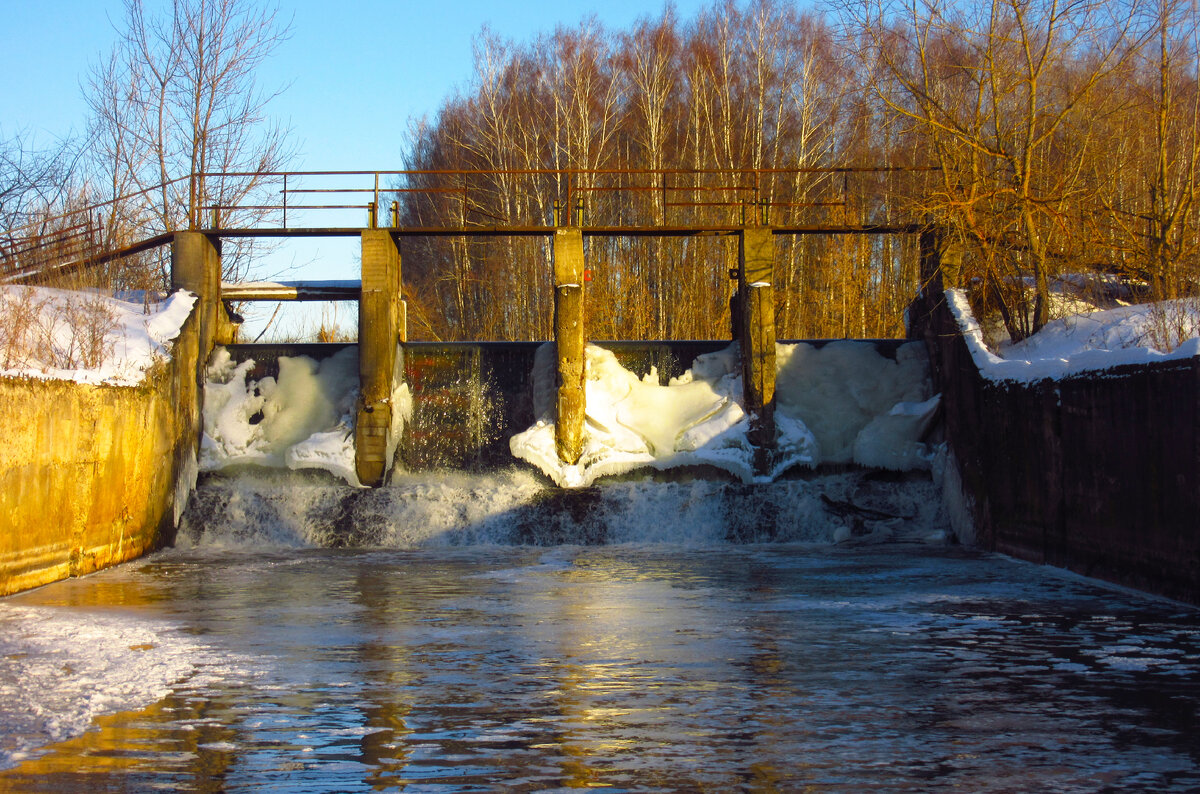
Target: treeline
[
  {"x": 739, "y": 88},
  {"x": 1060, "y": 141}
]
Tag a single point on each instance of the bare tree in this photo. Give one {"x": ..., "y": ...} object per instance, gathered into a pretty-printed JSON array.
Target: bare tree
[
  {"x": 178, "y": 116},
  {"x": 32, "y": 180},
  {"x": 1004, "y": 94}
]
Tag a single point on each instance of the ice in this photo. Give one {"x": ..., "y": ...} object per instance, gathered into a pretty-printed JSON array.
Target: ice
[
  {"x": 83, "y": 666},
  {"x": 302, "y": 420},
  {"x": 840, "y": 403},
  {"x": 838, "y": 390},
  {"x": 891, "y": 441}
]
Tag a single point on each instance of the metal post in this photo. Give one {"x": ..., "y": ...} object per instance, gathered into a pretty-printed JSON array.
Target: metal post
[
  {"x": 285, "y": 192},
  {"x": 756, "y": 316},
  {"x": 570, "y": 190},
  {"x": 663, "y": 181}
]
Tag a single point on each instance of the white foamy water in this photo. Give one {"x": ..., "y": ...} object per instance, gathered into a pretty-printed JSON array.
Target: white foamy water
[{"x": 517, "y": 506}]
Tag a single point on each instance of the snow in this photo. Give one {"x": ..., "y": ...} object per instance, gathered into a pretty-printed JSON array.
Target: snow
[
  {"x": 139, "y": 334},
  {"x": 304, "y": 419},
  {"x": 84, "y": 666},
  {"x": 840, "y": 403},
  {"x": 1080, "y": 343}
]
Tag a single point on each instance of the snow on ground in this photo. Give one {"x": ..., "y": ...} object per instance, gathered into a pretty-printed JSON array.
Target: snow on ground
[
  {"x": 843, "y": 402},
  {"x": 304, "y": 419},
  {"x": 86, "y": 337},
  {"x": 1083, "y": 342}
]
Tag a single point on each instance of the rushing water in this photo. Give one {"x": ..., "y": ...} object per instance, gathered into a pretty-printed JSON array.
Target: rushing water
[{"x": 638, "y": 641}]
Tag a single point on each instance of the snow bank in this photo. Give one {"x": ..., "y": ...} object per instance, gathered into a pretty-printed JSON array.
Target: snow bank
[
  {"x": 840, "y": 403},
  {"x": 47, "y": 333},
  {"x": 304, "y": 419},
  {"x": 1085, "y": 342}
]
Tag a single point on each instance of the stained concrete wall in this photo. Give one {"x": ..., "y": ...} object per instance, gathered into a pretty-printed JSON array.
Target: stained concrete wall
[
  {"x": 1097, "y": 473},
  {"x": 91, "y": 476}
]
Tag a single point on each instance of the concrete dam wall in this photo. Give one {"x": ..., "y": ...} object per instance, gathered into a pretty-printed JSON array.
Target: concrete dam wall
[{"x": 91, "y": 476}]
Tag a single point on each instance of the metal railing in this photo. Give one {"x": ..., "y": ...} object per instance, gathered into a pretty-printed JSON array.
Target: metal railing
[{"x": 294, "y": 203}]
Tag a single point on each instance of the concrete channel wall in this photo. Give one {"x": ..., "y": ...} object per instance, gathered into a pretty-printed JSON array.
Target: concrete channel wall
[
  {"x": 91, "y": 476},
  {"x": 1098, "y": 473}
]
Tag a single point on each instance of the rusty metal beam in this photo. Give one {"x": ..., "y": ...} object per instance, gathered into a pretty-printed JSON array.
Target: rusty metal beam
[{"x": 587, "y": 231}]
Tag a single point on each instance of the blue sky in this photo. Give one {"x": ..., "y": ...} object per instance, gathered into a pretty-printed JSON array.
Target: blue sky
[{"x": 355, "y": 71}]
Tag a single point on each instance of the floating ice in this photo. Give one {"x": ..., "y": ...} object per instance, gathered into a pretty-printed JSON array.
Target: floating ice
[
  {"x": 83, "y": 666},
  {"x": 827, "y": 400}
]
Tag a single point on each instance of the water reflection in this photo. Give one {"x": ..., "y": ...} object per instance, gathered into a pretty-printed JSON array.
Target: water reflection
[{"x": 634, "y": 667}]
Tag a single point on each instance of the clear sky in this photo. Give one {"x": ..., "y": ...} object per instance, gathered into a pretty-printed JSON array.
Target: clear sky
[{"x": 354, "y": 71}]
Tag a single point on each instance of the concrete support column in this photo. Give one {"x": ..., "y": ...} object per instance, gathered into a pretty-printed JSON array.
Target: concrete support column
[
  {"x": 379, "y": 318},
  {"x": 756, "y": 311},
  {"x": 196, "y": 267},
  {"x": 569, "y": 342}
]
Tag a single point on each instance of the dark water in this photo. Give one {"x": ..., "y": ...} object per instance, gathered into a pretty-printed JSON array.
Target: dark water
[{"x": 462, "y": 664}]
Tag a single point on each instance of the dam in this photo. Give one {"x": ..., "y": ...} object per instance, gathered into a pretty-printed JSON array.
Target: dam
[{"x": 466, "y": 622}]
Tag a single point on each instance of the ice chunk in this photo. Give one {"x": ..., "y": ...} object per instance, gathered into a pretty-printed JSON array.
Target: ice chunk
[
  {"x": 825, "y": 398},
  {"x": 305, "y": 419}
]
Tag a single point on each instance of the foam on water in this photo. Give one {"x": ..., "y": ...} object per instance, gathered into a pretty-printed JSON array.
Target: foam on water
[{"x": 518, "y": 507}]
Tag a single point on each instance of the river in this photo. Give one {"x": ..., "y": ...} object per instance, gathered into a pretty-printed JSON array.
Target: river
[{"x": 442, "y": 634}]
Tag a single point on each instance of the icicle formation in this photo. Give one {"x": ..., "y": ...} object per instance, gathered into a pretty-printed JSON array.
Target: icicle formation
[
  {"x": 302, "y": 420},
  {"x": 840, "y": 403}
]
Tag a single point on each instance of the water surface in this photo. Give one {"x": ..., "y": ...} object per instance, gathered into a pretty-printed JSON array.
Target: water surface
[{"x": 462, "y": 663}]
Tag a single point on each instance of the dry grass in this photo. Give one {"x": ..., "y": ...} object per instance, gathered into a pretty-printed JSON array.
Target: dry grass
[
  {"x": 1171, "y": 323},
  {"x": 41, "y": 330}
]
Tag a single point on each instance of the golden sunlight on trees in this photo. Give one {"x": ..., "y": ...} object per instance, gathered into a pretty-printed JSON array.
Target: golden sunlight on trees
[
  {"x": 760, "y": 87},
  {"x": 1060, "y": 141},
  {"x": 1055, "y": 141}
]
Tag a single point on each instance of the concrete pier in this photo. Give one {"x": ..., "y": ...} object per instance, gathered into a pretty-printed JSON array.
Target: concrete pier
[
  {"x": 756, "y": 335},
  {"x": 196, "y": 267},
  {"x": 380, "y": 315},
  {"x": 569, "y": 341}
]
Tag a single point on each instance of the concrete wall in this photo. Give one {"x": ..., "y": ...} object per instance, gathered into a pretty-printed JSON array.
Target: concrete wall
[
  {"x": 91, "y": 476},
  {"x": 1099, "y": 474}
]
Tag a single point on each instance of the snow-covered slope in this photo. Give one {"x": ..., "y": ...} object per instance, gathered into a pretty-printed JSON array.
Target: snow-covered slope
[
  {"x": 84, "y": 336},
  {"x": 1079, "y": 343}
]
